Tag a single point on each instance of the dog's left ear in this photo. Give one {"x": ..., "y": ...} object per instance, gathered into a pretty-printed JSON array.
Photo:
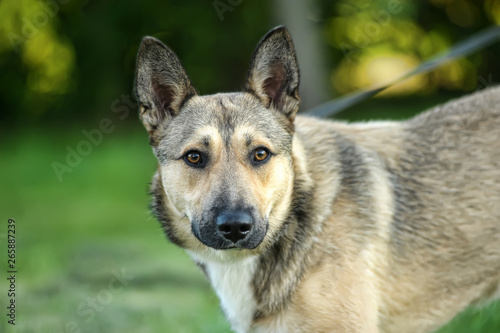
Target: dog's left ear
[
  {"x": 274, "y": 73},
  {"x": 161, "y": 84}
]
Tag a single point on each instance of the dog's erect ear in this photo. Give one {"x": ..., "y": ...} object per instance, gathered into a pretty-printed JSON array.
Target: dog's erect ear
[
  {"x": 161, "y": 83},
  {"x": 274, "y": 73}
]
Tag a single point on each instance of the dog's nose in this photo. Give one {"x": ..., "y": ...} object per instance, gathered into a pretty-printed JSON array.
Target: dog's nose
[{"x": 234, "y": 226}]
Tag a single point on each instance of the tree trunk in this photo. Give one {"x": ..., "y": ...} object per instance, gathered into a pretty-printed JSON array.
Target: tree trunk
[{"x": 298, "y": 17}]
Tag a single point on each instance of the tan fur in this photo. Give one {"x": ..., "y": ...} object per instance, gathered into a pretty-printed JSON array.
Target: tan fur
[
  {"x": 370, "y": 227},
  {"x": 345, "y": 294}
]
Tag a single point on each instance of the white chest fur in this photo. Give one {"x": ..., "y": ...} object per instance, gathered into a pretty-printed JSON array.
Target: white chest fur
[{"x": 233, "y": 284}]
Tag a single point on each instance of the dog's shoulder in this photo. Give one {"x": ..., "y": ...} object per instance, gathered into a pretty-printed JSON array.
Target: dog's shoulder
[{"x": 383, "y": 138}]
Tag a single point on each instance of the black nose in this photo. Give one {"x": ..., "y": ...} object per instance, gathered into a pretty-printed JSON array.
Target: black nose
[{"x": 234, "y": 226}]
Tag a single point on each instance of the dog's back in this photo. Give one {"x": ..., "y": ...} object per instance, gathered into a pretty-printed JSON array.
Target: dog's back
[
  {"x": 447, "y": 218},
  {"x": 443, "y": 231}
]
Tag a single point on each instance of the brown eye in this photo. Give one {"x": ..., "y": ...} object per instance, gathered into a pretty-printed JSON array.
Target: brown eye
[
  {"x": 194, "y": 158},
  {"x": 260, "y": 155}
]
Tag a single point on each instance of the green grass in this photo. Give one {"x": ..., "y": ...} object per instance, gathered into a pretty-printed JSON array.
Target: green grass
[{"x": 73, "y": 235}]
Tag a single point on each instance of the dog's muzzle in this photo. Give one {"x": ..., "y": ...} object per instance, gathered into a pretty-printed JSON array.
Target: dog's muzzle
[
  {"x": 234, "y": 226},
  {"x": 231, "y": 229}
]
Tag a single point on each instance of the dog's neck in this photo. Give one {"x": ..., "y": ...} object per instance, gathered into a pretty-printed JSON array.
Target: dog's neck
[
  {"x": 272, "y": 281},
  {"x": 232, "y": 283}
]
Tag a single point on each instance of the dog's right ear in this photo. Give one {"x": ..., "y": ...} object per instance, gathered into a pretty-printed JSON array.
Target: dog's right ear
[
  {"x": 161, "y": 84},
  {"x": 274, "y": 73}
]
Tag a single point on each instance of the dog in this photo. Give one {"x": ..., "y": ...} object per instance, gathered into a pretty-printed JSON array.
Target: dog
[{"x": 310, "y": 225}]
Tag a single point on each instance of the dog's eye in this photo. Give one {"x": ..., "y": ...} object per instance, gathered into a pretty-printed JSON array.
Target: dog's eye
[
  {"x": 260, "y": 155},
  {"x": 194, "y": 158}
]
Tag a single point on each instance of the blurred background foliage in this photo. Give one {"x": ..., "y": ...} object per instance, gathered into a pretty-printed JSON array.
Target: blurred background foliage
[
  {"x": 67, "y": 65},
  {"x": 67, "y": 59}
]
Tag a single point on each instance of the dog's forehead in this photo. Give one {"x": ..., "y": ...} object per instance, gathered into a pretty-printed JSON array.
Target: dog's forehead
[
  {"x": 226, "y": 109},
  {"x": 224, "y": 113}
]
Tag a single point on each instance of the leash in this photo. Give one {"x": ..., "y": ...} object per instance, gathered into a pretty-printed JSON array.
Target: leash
[{"x": 475, "y": 42}]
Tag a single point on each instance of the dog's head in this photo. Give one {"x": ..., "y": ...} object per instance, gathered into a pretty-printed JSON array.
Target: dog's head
[{"x": 225, "y": 174}]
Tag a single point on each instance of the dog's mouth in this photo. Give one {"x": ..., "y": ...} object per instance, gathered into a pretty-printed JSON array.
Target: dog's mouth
[{"x": 216, "y": 242}]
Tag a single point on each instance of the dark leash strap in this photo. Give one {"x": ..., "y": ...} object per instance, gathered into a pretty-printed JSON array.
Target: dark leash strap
[{"x": 471, "y": 44}]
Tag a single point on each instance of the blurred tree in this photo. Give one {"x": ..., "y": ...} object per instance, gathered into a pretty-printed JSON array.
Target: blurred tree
[
  {"x": 380, "y": 40},
  {"x": 82, "y": 57},
  {"x": 45, "y": 59},
  {"x": 301, "y": 17},
  {"x": 68, "y": 60}
]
